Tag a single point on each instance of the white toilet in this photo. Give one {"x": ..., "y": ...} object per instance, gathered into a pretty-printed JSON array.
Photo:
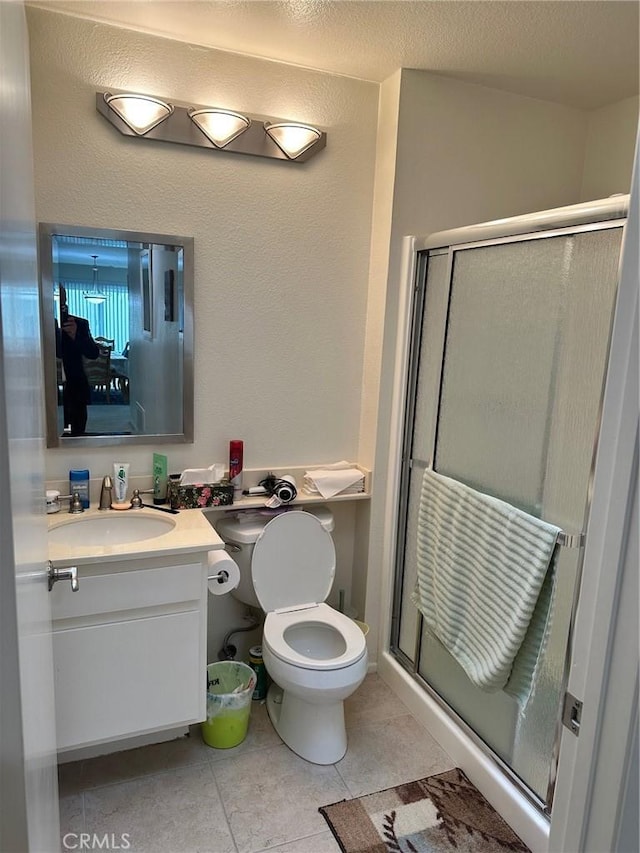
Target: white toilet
[{"x": 315, "y": 655}]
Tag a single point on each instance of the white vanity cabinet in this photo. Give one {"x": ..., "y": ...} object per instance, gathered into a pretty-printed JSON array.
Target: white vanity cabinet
[{"x": 130, "y": 648}]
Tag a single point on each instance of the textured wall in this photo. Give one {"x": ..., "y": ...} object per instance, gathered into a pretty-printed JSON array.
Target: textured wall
[
  {"x": 281, "y": 250},
  {"x": 611, "y": 141},
  {"x": 465, "y": 154}
]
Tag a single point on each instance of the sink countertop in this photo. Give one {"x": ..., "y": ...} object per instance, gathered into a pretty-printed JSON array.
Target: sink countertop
[{"x": 192, "y": 533}]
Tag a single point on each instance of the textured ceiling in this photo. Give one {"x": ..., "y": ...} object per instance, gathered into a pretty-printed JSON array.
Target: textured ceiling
[{"x": 584, "y": 54}]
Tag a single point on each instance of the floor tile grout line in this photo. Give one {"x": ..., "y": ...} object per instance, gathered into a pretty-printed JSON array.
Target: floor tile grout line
[
  {"x": 292, "y": 841},
  {"x": 316, "y": 804},
  {"x": 84, "y": 813},
  {"x": 345, "y": 783},
  {"x": 255, "y": 749},
  {"x": 222, "y": 806}
]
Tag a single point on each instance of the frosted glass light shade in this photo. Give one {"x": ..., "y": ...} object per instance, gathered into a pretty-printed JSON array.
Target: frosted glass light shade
[
  {"x": 292, "y": 138},
  {"x": 219, "y": 126},
  {"x": 140, "y": 112}
]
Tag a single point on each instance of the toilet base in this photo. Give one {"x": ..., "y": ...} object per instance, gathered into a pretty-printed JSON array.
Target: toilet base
[{"x": 316, "y": 733}]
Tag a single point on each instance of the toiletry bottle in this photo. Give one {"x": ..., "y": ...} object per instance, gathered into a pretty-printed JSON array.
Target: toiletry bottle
[
  {"x": 79, "y": 482},
  {"x": 159, "y": 478},
  {"x": 236, "y": 453},
  {"x": 120, "y": 480}
]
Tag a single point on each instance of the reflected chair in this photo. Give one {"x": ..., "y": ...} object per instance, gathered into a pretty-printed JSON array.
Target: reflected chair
[
  {"x": 120, "y": 372},
  {"x": 106, "y": 342},
  {"x": 59, "y": 380},
  {"x": 98, "y": 370}
]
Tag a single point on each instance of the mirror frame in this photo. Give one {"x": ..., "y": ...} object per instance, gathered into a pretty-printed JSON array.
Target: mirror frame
[{"x": 46, "y": 231}]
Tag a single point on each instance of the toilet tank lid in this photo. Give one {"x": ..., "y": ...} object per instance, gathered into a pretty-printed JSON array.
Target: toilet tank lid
[{"x": 244, "y": 526}]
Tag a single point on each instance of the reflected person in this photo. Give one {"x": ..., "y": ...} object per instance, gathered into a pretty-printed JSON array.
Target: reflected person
[{"x": 73, "y": 341}]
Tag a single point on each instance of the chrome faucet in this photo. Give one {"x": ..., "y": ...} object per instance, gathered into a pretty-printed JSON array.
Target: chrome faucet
[
  {"x": 136, "y": 500},
  {"x": 75, "y": 504},
  {"x": 106, "y": 493}
]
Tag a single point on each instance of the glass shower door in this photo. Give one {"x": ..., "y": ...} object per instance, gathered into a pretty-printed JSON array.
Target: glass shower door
[{"x": 509, "y": 363}]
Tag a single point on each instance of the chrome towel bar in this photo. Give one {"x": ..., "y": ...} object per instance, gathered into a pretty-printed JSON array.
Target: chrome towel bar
[
  {"x": 565, "y": 540},
  {"x": 570, "y": 540}
]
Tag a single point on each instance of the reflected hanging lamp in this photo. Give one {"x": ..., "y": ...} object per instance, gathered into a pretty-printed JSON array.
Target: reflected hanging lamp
[{"x": 94, "y": 296}]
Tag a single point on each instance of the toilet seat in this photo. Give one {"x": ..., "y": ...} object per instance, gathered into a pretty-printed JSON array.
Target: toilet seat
[
  {"x": 277, "y": 623},
  {"x": 293, "y": 566}
]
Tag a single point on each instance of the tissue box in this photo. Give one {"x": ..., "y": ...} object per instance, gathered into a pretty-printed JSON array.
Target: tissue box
[{"x": 199, "y": 496}]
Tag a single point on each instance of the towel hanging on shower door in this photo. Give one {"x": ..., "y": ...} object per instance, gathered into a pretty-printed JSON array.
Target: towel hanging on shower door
[{"x": 484, "y": 585}]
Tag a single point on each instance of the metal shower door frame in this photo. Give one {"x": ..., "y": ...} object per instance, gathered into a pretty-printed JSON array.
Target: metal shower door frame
[{"x": 561, "y": 222}]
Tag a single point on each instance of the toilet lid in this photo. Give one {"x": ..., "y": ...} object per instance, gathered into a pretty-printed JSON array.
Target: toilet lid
[{"x": 293, "y": 563}]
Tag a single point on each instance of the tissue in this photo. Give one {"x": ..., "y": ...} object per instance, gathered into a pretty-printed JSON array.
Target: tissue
[
  {"x": 223, "y": 575},
  {"x": 197, "y": 476}
]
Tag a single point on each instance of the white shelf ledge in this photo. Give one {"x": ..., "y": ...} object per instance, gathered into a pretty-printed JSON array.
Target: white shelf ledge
[{"x": 252, "y": 477}]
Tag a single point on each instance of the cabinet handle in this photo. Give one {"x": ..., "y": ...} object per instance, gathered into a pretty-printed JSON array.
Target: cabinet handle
[{"x": 70, "y": 574}]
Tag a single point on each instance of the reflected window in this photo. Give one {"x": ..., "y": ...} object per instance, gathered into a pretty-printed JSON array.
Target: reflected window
[{"x": 108, "y": 319}]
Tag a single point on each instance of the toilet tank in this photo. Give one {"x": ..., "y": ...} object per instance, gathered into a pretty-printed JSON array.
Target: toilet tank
[{"x": 241, "y": 530}]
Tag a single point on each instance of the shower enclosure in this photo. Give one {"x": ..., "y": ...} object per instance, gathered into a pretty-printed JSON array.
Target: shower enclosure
[{"x": 509, "y": 342}]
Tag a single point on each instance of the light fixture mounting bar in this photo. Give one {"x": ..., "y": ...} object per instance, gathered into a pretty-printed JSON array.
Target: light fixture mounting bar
[{"x": 178, "y": 127}]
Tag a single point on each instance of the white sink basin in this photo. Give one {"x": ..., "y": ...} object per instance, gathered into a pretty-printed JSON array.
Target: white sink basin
[{"x": 110, "y": 528}]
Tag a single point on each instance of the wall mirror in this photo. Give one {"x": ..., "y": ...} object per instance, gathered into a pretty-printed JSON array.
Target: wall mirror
[{"x": 117, "y": 325}]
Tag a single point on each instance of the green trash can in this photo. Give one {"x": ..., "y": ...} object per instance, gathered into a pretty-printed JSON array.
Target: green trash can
[{"x": 230, "y": 686}]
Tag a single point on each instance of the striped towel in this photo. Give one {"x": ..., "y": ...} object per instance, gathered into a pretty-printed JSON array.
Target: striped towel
[{"x": 481, "y": 588}]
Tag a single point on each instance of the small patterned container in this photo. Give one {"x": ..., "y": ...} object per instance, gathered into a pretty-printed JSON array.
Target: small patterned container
[{"x": 200, "y": 496}]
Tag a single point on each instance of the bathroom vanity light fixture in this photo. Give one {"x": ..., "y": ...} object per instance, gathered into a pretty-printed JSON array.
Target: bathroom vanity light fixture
[
  {"x": 213, "y": 128},
  {"x": 140, "y": 112},
  {"x": 292, "y": 138},
  {"x": 220, "y": 126}
]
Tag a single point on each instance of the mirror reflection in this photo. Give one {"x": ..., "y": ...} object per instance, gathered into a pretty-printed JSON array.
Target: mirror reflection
[{"x": 117, "y": 326}]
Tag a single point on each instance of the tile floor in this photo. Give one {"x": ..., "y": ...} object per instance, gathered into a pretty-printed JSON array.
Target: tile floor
[{"x": 184, "y": 796}]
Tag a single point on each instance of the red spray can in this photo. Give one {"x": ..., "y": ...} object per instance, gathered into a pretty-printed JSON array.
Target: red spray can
[{"x": 236, "y": 451}]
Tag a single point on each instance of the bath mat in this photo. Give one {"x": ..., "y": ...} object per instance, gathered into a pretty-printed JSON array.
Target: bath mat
[{"x": 440, "y": 813}]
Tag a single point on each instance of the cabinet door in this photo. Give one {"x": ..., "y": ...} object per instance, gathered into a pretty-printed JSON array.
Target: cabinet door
[{"x": 126, "y": 678}]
